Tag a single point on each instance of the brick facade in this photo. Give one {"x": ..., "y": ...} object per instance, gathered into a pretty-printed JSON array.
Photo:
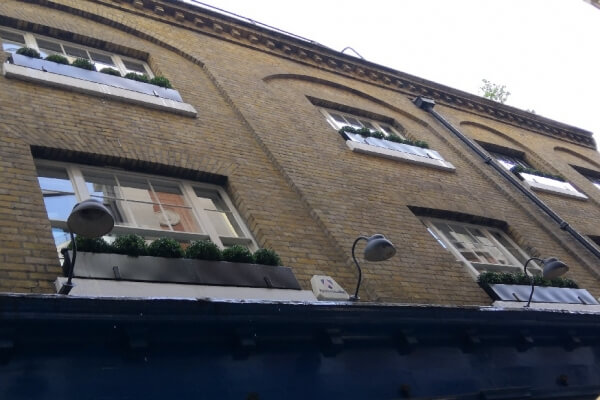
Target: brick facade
[{"x": 292, "y": 178}]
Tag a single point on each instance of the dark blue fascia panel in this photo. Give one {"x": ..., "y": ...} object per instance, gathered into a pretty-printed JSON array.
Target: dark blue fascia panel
[{"x": 60, "y": 347}]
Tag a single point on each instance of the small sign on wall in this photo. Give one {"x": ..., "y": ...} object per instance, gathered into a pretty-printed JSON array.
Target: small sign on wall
[{"x": 325, "y": 288}]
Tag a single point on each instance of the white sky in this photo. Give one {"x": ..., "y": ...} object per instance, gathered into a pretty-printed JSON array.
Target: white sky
[{"x": 546, "y": 52}]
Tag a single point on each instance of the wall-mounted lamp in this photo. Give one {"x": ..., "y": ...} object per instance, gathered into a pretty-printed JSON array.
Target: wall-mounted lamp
[
  {"x": 378, "y": 249},
  {"x": 552, "y": 268},
  {"x": 91, "y": 219}
]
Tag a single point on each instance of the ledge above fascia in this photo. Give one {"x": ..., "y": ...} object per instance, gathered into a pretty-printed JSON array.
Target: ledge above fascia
[{"x": 251, "y": 34}]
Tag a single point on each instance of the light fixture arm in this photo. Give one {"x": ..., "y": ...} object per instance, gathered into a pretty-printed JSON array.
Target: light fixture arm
[
  {"x": 66, "y": 288},
  {"x": 355, "y": 296},
  {"x": 531, "y": 278}
]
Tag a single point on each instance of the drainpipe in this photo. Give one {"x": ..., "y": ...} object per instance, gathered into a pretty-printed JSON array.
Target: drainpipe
[{"x": 428, "y": 104}]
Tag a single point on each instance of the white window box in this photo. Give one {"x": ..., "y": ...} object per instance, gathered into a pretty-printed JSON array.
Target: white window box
[
  {"x": 401, "y": 152},
  {"x": 549, "y": 185},
  {"x": 113, "y": 288},
  {"x": 520, "y": 293},
  {"x": 96, "y": 83}
]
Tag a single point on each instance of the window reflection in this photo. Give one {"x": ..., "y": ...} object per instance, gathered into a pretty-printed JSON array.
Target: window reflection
[
  {"x": 58, "y": 193},
  {"x": 217, "y": 210}
]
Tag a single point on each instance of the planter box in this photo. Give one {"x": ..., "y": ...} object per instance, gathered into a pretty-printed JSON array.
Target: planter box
[
  {"x": 541, "y": 294},
  {"x": 96, "y": 77},
  {"x": 179, "y": 270},
  {"x": 402, "y": 152},
  {"x": 549, "y": 185}
]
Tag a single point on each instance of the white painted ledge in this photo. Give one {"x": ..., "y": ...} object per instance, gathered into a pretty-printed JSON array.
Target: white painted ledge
[
  {"x": 110, "y": 288},
  {"x": 399, "y": 156},
  {"x": 534, "y": 183},
  {"x": 591, "y": 308},
  {"x": 96, "y": 89}
]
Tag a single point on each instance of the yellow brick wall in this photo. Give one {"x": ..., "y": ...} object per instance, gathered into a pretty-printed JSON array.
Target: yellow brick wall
[{"x": 299, "y": 188}]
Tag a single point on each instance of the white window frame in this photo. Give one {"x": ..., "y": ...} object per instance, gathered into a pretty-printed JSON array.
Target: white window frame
[
  {"x": 76, "y": 177},
  {"x": 377, "y": 124},
  {"x": 476, "y": 268},
  {"x": 30, "y": 41}
]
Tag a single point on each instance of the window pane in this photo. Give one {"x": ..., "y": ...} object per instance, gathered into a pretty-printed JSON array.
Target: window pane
[
  {"x": 508, "y": 246},
  {"x": 354, "y": 122},
  {"x": 49, "y": 47},
  {"x": 133, "y": 66},
  {"x": 387, "y": 129},
  {"x": 102, "y": 58},
  {"x": 76, "y": 52},
  {"x": 176, "y": 213},
  {"x": 12, "y": 37},
  {"x": 54, "y": 179},
  {"x": 57, "y": 190},
  {"x": 136, "y": 189},
  {"x": 368, "y": 125},
  {"x": 338, "y": 118},
  {"x": 61, "y": 238},
  {"x": 11, "y": 47},
  {"x": 167, "y": 193},
  {"x": 11, "y": 42},
  {"x": 509, "y": 161},
  {"x": 220, "y": 217},
  {"x": 145, "y": 215},
  {"x": 59, "y": 205},
  {"x": 101, "y": 185}
]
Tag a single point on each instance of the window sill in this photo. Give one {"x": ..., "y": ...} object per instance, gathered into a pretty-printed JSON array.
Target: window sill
[
  {"x": 423, "y": 160},
  {"x": 180, "y": 270},
  {"x": 96, "y": 84},
  {"x": 536, "y": 183},
  {"x": 520, "y": 293}
]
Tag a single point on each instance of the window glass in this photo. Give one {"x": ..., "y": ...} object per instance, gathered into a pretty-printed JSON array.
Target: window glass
[
  {"x": 48, "y": 47},
  {"x": 11, "y": 41},
  {"x": 481, "y": 247},
  {"x": 12, "y": 37},
  {"x": 58, "y": 193},
  {"x": 221, "y": 218},
  {"x": 510, "y": 247},
  {"x": 509, "y": 161},
  {"x": 133, "y": 66},
  {"x": 368, "y": 125},
  {"x": 386, "y": 129},
  {"x": 101, "y": 58},
  {"x": 354, "y": 122},
  {"x": 174, "y": 212},
  {"x": 338, "y": 118},
  {"x": 76, "y": 52},
  {"x": 101, "y": 186}
]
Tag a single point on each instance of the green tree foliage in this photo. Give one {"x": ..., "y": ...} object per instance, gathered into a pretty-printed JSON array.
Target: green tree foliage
[{"x": 493, "y": 91}]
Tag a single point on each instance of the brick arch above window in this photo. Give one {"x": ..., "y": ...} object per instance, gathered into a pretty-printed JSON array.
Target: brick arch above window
[
  {"x": 483, "y": 133},
  {"x": 574, "y": 158},
  {"x": 343, "y": 87}
]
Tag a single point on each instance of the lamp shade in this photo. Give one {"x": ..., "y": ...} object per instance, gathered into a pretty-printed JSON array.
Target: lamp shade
[
  {"x": 91, "y": 219},
  {"x": 553, "y": 268},
  {"x": 379, "y": 248}
]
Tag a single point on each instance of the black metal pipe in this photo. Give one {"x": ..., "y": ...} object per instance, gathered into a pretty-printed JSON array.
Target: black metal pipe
[{"x": 428, "y": 104}]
